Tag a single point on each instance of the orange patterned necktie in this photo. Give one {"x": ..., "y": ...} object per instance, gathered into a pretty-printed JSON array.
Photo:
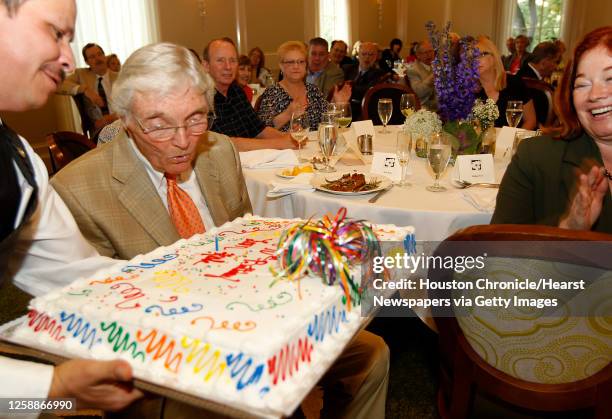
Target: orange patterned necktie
[{"x": 183, "y": 212}]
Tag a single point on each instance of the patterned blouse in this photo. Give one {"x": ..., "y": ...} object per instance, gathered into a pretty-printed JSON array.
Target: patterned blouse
[{"x": 275, "y": 100}]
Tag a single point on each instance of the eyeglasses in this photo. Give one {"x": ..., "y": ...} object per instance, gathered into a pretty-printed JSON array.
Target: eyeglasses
[
  {"x": 294, "y": 62},
  {"x": 196, "y": 126},
  {"x": 368, "y": 54}
]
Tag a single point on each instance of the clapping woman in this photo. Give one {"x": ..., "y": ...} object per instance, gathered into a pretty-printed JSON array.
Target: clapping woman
[
  {"x": 566, "y": 181},
  {"x": 293, "y": 94}
]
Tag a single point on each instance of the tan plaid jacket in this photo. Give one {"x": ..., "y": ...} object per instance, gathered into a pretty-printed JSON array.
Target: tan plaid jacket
[{"x": 118, "y": 209}]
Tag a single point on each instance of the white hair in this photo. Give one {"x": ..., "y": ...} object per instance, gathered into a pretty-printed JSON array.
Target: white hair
[{"x": 159, "y": 69}]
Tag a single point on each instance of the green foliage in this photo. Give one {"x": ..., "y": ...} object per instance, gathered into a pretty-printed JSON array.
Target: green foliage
[{"x": 546, "y": 24}]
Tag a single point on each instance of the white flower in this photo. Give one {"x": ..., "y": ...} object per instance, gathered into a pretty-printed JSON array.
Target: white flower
[
  {"x": 423, "y": 123},
  {"x": 485, "y": 112}
]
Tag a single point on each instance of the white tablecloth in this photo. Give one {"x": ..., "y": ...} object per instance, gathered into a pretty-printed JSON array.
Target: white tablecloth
[{"x": 435, "y": 215}]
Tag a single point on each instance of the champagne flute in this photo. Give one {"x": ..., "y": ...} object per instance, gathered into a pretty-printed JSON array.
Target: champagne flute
[
  {"x": 298, "y": 127},
  {"x": 385, "y": 110},
  {"x": 328, "y": 136},
  {"x": 514, "y": 112},
  {"x": 345, "y": 115},
  {"x": 438, "y": 155},
  {"x": 408, "y": 104},
  {"x": 403, "y": 149}
]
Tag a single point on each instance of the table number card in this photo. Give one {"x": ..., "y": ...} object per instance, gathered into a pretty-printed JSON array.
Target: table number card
[
  {"x": 476, "y": 168},
  {"x": 386, "y": 164}
]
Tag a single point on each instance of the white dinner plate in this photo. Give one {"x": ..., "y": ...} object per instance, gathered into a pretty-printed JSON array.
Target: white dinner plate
[{"x": 319, "y": 180}]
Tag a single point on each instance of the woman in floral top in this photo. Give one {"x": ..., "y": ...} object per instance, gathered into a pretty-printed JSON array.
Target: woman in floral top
[{"x": 293, "y": 94}]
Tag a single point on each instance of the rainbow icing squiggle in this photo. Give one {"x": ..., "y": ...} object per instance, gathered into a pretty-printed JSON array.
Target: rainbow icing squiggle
[{"x": 213, "y": 323}]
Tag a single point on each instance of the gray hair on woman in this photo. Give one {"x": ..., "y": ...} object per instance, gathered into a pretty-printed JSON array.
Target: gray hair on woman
[{"x": 158, "y": 69}]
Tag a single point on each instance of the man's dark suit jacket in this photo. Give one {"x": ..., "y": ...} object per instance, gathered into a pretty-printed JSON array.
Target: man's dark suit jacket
[
  {"x": 540, "y": 101},
  {"x": 361, "y": 84}
]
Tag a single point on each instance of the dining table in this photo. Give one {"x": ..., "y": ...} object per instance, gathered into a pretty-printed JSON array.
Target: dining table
[{"x": 434, "y": 215}]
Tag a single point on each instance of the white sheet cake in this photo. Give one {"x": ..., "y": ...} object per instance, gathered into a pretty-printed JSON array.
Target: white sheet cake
[{"x": 210, "y": 323}]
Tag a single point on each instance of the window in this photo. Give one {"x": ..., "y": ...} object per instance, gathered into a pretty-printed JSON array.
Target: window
[
  {"x": 333, "y": 20},
  {"x": 540, "y": 20},
  {"x": 118, "y": 26}
]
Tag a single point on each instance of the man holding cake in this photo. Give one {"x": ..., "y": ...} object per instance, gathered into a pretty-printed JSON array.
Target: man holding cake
[
  {"x": 38, "y": 236},
  {"x": 167, "y": 177}
]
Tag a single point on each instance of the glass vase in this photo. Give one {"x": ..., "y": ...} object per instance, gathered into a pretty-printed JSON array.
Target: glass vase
[{"x": 420, "y": 146}]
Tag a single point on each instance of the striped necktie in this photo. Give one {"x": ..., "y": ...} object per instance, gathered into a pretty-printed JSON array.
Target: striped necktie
[{"x": 183, "y": 212}]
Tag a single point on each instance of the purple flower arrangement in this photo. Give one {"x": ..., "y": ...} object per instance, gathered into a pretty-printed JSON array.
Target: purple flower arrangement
[{"x": 456, "y": 74}]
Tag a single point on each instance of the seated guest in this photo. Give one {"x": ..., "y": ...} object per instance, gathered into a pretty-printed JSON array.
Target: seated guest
[
  {"x": 500, "y": 87},
  {"x": 337, "y": 53},
  {"x": 244, "y": 75},
  {"x": 543, "y": 61},
  {"x": 363, "y": 75},
  {"x": 259, "y": 73},
  {"x": 293, "y": 94},
  {"x": 134, "y": 194},
  {"x": 566, "y": 181},
  {"x": 520, "y": 55},
  {"x": 411, "y": 57},
  {"x": 321, "y": 72},
  {"x": 390, "y": 55},
  {"x": 421, "y": 76},
  {"x": 235, "y": 117},
  {"x": 95, "y": 84},
  {"x": 113, "y": 63}
]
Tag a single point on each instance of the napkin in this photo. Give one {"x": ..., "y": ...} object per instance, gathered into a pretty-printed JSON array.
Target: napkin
[
  {"x": 268, "y": 159},
  {"x": 299, "y": 183},
  {"x": 482, "y": 199}
]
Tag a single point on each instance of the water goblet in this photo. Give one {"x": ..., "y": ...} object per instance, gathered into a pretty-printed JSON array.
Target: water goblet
[
  {"x": 385, "y": 110},
  {"x": 403, "y": 149},
  {"x": 328, "y": 136},
  {"x": 438, "y": 156}
]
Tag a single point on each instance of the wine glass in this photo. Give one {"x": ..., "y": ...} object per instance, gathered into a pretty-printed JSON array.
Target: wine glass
[
  {"x": 408, "y": 104},
  {"x": 514, "y": 112},
  {"x": 438, "y": 155},
  {"x": 298, "y": 127},
  {"x": 345, "y": 116},
  {"x": 328, "y": 136},
  {"x": 403, "y": 149},
  {"x": 385, "y": 110}
]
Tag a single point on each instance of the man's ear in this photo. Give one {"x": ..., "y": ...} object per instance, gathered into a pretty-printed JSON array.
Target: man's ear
[{"x": 205, "y": 66}]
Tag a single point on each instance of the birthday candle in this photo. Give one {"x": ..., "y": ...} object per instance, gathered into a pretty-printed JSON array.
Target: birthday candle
[{"x": 216, "y": 243}]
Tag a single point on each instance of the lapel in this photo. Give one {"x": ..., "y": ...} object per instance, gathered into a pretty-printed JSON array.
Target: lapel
[
  {"x": 209, "y": 179},
  {"x": 138, "y": 195}
]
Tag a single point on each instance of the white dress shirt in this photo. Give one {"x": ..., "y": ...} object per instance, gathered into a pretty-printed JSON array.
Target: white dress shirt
[
  {"x": 187, "y": 181},
  {"x": 50, "y": 253}
]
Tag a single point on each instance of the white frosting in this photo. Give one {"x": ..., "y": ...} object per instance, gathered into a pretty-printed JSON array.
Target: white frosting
[{"x": 206, "y": 322}]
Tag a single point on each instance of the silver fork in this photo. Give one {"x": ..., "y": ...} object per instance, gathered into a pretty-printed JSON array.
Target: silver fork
[
  {"x": 464, "y": 184},
  {"x": 379, "y": 194}
]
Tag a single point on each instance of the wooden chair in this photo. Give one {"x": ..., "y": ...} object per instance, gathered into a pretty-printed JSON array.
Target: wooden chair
[
  {"x": 548, "y": 91},
  {"x": 463, "y": 372},
  {"x": 393, "y": 91},
  {"x": 86, "y": 124},
  {"x": 65, "y": 146}
]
